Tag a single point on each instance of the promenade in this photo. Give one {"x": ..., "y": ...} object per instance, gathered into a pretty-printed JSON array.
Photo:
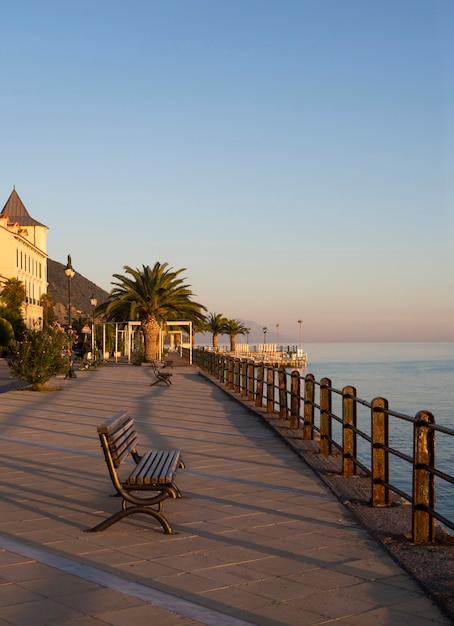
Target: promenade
[{"x": 258, "y": 537}]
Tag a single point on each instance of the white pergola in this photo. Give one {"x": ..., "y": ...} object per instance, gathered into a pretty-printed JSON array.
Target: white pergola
[
  {"x": 130, "y": 330},
  {"x": 186, "y": 323}
]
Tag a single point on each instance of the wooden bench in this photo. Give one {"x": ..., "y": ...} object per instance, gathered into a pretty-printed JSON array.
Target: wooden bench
[
  {"x": 153, "y": 472},
  {"x": 161, "y": 377}
]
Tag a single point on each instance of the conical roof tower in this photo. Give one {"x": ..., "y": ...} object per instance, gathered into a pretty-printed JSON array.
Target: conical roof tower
[{"x": 17, "y": 213}]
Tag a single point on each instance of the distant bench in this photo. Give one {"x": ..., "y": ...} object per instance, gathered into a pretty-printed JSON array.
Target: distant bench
[
  {"x": 161, "y": 377},
  {"x": 153, "y": 472}
]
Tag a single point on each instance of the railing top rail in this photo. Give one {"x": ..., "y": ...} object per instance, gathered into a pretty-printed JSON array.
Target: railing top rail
[{"x": 442, "y": 429}]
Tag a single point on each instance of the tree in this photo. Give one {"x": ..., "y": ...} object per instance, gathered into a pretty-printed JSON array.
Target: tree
[
  {"x": 6, "y": 335},
  {"x": 152, "y": 296},
  {"x": 14, "y": 294},
  {"x": 198, "y": 327},
  {"x": 16, "y": 320},
  {"x": 215, "y": 324},
  {"x": 46, "y": 301},
  {"x": 234, "y": 328}
]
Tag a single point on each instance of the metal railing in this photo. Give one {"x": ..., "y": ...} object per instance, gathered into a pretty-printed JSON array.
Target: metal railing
[{"x": 307, "y": 404}]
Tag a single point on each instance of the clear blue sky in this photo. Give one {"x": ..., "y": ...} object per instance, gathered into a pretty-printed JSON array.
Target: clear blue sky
[{"x": 295, "y": 156}]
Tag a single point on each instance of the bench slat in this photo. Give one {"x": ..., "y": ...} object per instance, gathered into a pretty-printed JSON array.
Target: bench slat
[
  {"x": 156, "y": 467},
  {"x": 165, "y": 468},
  {"x": 113, "y": 422},
  {"x": 120, "y": 452},
  {"x": 120, "y": 435},
  {"x": 122, "y": 443}
]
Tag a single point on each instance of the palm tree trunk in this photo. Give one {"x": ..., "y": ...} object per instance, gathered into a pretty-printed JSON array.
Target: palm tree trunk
[{"x": 150, "y": 329}]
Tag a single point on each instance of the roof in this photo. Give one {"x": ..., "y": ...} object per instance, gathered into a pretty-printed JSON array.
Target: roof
[{"x": 16, "y": 211}]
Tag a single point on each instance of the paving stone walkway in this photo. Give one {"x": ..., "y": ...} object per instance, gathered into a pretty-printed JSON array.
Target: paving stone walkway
[{"x": 258, "y": 539}]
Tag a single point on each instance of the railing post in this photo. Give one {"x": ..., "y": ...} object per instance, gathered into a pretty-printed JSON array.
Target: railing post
[
  {"x": 243, "y": 379},
  {"x": 325, "y": 416},
  {"x": 260, "y": 376},
  {"x": 229, "y": 381},
  {"x": 250, "y": 380},
  {"x": 295, "y": 400},
  {"x": 380, "y": 455},
  {"x": 423, "y": 523},
  {"x": 236, "y": 375},
  {"x": 349, "y": 437},
  {"x": 218, "y": 366},
  {"x": 270, "y": 383},
  {"x": 309, "y": 408},
  {"x": 283, "y": 409}
]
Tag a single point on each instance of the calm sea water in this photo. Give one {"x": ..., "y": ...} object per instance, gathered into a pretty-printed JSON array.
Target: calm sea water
[{"x": 412, "y": 377}]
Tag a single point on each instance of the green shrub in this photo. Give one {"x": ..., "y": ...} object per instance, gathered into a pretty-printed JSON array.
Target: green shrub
[
  {"x": 16, "y": 320},
  {"x": 6, "y": 335},
  {"x": 41, "y": 355}
]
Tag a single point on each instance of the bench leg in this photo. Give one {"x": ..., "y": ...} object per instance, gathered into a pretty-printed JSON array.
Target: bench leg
[
  {"x": 124, "y": 504},
  {"x": 176, "y": 493},
  {"x": 166, "y": 382},
  {"x": 113, "y": 519}
]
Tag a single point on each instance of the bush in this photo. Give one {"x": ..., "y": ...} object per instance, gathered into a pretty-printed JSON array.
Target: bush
[
  {"x": 6, "y": 335},
  {"x": 41, "y": 355},
  {"x": 16, "y": 320}
]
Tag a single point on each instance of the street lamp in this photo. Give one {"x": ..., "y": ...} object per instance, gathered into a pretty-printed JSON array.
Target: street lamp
[
  {"x": 300, "y": 322},
  {"x": 264, "y": 334},
  {"x": 94, "y": 304},
  {"x": 70, "y": 274},
  {"x": 278, "y": 339}
]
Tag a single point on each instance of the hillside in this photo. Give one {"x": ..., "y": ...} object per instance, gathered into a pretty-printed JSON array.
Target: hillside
[{"x": 82, "y": 290}]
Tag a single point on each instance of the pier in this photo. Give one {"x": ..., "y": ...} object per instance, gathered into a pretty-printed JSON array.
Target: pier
[
  {"x": 259, "y": 537},
  {"x": 285, "y": 356}
]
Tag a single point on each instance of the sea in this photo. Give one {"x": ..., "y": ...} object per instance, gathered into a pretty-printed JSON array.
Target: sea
[{"x": 411, "y": 376}]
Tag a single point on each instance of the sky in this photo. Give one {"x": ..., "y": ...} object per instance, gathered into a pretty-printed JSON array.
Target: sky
[{"x": 294, "y": 156}]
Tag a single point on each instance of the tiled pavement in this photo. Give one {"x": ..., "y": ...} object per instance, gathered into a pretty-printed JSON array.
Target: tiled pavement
[{"x": 258, "y": 537}]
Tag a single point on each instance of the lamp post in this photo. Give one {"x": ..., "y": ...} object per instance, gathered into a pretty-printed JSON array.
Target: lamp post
[
  {"x": 300, "y": 322},
  {"x": 94, "y": 304},
  {"x": 278, "y": 338},
  {"x": 70, "y": 274},
  {"x": 264, "y": 336}
]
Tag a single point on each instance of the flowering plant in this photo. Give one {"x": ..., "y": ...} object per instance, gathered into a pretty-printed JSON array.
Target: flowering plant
[{"x": 41, "y": 355}]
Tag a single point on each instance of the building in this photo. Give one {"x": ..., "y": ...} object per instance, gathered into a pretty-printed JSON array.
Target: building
[{"x": 23, "y": 255}]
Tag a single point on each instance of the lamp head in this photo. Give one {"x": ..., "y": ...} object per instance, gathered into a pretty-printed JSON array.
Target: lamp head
[{"x": 69, "y": 268}]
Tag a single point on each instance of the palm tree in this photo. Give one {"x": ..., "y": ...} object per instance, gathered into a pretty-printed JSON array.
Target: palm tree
[
  {"x": 46, "y": 301},
  {"x": 198, "y": 327},
  {"x": 14, "y": 294},
  {"x": 152, "y": 296},
  {"x": 215, "y": 324},
  {"x": 234, "y": 328}
]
